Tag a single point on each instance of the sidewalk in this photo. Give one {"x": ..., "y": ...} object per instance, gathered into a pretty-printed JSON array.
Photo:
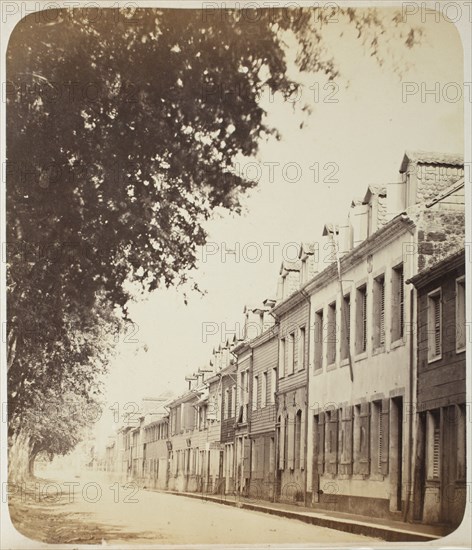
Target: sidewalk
[{"x": 386, "y": 529}]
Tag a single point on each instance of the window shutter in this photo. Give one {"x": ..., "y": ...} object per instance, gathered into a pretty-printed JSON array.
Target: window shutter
[
  {"x": 346, "y": 457},
  {"x": 364, "y": 320},
  {"x": 384, "y": 437},
  {"x": 282, "y": 444},
  {"x": 437, "y": 325},
  {"x": 402, "y": 306},
  {"x": 436, "y": 449},
  {"x": 382, "y": 313},
  {"x": 302, "y": 442},
  {"x": 332, "y": 442},
  {"x": 321, "y": 442},
  {"x": 291, "y": 438}
]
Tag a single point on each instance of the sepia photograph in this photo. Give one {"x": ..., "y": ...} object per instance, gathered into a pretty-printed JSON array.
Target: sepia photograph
[{"x": 236, "y": 249}]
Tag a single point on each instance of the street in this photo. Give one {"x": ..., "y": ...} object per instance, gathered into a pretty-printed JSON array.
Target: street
[{"x": 93, "y": 509}]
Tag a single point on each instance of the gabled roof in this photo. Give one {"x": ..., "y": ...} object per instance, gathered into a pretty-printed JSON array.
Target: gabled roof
[
  {"x": 430, "y": 157},
  {"x": 374, "y": 190},
  {"x": 329, "y": 229},
  {"x": 356, "y": 202}
]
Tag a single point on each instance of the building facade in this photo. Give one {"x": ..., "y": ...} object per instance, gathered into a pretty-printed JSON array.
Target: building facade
[{"x": 440, "y": 460}]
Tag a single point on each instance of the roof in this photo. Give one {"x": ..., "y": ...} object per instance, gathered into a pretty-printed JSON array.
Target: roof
[
  {"x": 287, "y": 265},
  {"x": 330, "y": 228},
  {"x": 356, "y": 202},
  {"x": 429, "y": 157},
  {"x": 306, "y": 248},
  {"x": 448, "y": 191},
  {"x": 448, "y": 263},
  {"x": 374, "y": 190}
]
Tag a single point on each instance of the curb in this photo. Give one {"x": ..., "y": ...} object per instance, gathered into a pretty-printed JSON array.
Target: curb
[{"x": 357, "y": 528}]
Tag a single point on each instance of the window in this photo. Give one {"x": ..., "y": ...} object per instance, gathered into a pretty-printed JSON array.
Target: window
[
  {"x": 273, "y": 385},
  {"x": 398, "y": 304},
  {"x": 255, "y": 393},
  {"x": 264, "y": 390},
  {"x": 379, "y": 312},
  {"x": 319, "y": 428},
  {"x": 331, "y": 334},
  {"x": 282, "y": 358},
  {"x": 291, "y": 360},
  {"x": 461, "y": 334},
  {"x": 461, "y": 441},
  {"x": 361, "y": 439},
  {"x": 380, "y": 436},
  {"x": 345, "y": 442},
  {"x": 346, "y": 326},
  {"x": 318, "y": 339},
  {"x": 271, "y": 455},
  {"x": 233, "y": 401},
  {"x": 331, "y": 428},
  {"x": 433, "y": 445},
  {"x": 434, "y": 325},
  {"x": 361, "y": 319},
  {"x": 297, "y": 440},
  {"x": 301, "y": 349},
  {"x": 226, "y": 409}
]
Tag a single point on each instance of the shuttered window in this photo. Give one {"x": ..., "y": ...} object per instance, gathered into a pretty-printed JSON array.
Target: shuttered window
[
  {"x": 361, "y": 442},
  {"x": 297, "y": 439},
  {"x": 346, "y": 326},
  {"x": 318, "y": 339},
  {"x": 291, "y": 357},
  {"x": 320, "y": 441},
  {"x": 433, "y": 448},
  {"x": 282, "y": 358},
  {"x": 379, "y": 312},
  {"x": 434, "y": 325},
  {"x": 264, "y": 390},
  {"x": 384, "y": 437},
  {"x": 461, "y": 329},
  {"x": 301, "y": 349},
  {"x": 361, "y": 319},
  {"x": 331, "y": 333},
  {"x": 398, "y": 303},
  {"x": 380, "y": 437},
  {"x": 345, "y": 443},
  {"x": 331, "y": 436}
]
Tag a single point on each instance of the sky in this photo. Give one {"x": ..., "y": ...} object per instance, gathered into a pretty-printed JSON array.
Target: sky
[{"x": 355, "y": 135}]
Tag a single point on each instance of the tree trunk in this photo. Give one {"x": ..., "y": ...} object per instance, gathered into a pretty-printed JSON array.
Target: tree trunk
[
  {"x": 31, "y": 459},
  {"x": 19, "y": 453}
]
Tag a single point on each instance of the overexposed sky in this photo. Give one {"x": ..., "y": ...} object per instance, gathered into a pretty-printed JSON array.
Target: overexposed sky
[{"x": 358, "y": 140}]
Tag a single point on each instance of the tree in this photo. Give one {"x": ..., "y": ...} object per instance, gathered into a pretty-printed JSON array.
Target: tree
[{"x": 122, "y": 130}]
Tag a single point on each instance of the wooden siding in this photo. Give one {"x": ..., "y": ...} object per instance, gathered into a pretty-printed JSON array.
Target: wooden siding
[
  {"x": 441, "y": 382},
  {"x": 264, "y": 360},
  {"x": 292, "y": 321},
  {"x": 227, "y": 424}
]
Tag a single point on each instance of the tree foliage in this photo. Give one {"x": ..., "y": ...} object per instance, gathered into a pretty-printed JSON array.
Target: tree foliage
[{"x": 122, "y": 130}]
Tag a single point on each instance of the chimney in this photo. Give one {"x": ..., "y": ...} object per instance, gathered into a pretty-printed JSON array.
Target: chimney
[
  {"x": 358, "y": 222},
  {"x": 290, "y": 279},
  {"x": 253, "y": 322},
  {"x": 309, "y": 258},
  {"x": 330, "y": 245}
]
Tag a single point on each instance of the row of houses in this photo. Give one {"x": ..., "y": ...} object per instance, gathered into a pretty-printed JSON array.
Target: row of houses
[{"x": 346, "y": 390}]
